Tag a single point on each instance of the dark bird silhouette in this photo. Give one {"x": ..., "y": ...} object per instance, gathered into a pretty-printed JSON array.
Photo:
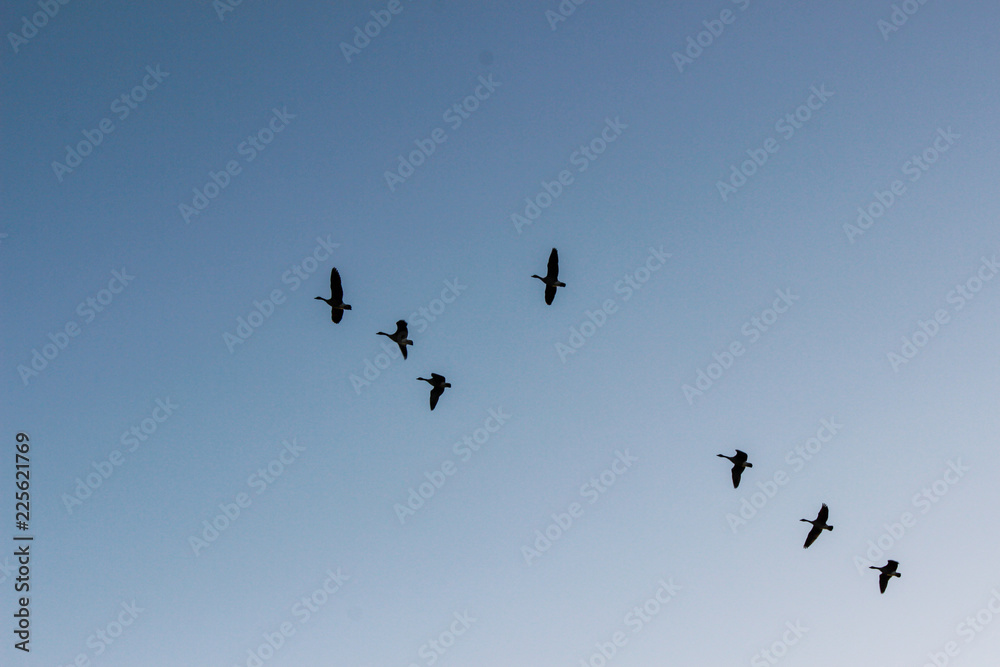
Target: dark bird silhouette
[
  {"x": 888, "y": 572},
  {"x": 336, "y": 299},
  {"x": 819, "y": 523},
  {"x": 739, "y": 463},
  {"x": 400, "y": 337},
  {"x": 551, "y": 278},
  {"x": 437, "y": 387}
]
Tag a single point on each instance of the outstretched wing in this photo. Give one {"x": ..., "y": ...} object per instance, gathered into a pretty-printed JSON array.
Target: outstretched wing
[
  {"x": 401, "y": 330},
  {"x": 336, "y": 314},
  {"x": 741, "y": 457},
  {"x": 883, "y": 581},
  {"x": 737, "y": 473},
  {"x": 402, "y": 348},
  {"x": 550, "y": 293},
  {"x": 824, "y": 514},
  {"x": 435, "y": 395},
  {"x": 438, "y": 379},
  {"x": 336, "y": 289},
  {"x": 811, "y": 537},
  {"x": 553, "y": 265}
]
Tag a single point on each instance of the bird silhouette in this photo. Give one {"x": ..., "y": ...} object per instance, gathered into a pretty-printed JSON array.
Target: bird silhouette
[
  {"x": 888, "y": 572},
  {"x": 739, "y": 463},
  {"x": 818, "y": 525},
  {"x": 336, "y": 299},
  {"x": 437, "y": 387},
  {"x": 400, "y": 337},
  {"x": 551, "y": 278}
]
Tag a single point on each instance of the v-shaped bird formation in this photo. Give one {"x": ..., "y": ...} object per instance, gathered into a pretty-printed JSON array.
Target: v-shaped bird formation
[{"x": 439, "y": 383}]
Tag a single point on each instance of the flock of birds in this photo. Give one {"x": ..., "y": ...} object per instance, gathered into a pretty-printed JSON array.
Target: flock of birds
[
  {"x": 439, "y": 384},
  {"x": 819, "y": 524}
]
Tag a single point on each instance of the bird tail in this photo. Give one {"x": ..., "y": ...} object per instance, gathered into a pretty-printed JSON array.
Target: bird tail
[
  {"x": 829, "y": 527},
  {"x": 346, "y": 307},
  {"x": 749, "y": 465},
  {"x": 407, "y": 341}
]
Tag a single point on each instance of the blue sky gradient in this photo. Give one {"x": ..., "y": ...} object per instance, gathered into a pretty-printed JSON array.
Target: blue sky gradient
[{"x": 676, "y": 275}]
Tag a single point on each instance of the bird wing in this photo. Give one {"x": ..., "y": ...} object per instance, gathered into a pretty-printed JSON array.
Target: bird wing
[
  {"x": 550, "y": 293},
  {"x": 402, "y": 348},
  {"x": 811, "y": 537},
  {"x": 741, "y": 457},
  {"x": 336, "y": 289},
  {"x": 883, "y": 581},
  {"x": 892, "y": 566},
  {"x": 336, "y": 314},
  {"x": 553, "y": 265},
  {"x": 824, "y": 514},
  {"x": 435, "y": 395},
  {"x": 401, "y": 330},
  {"x": 737, "y": 473},
  {"x": 438, "y": 379}
]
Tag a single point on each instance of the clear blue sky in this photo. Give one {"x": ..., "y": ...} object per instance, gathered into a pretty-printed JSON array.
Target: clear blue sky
[{"x": 279, "y": 139}]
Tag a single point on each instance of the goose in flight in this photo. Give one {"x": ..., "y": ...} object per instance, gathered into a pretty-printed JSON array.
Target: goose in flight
[
  {"x": 739, "y": 463},
  {"x": 818, "y": 524},
  {"x": 336, "y": 299},
  {"x": 551, "y": 278},
  {"x": 400, "y": 337},
  {"x": 888, "y": 572},
  {"x": 437, "y": 387}
]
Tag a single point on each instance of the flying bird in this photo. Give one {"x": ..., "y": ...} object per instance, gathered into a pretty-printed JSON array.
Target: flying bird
[
  {"x": 551, "y": 278},
  {"x": 818, "y": 524},
  {"x": 739, "y": 463},
  {"x": 888, "y": 571},
  {"x": 437, "y": 387},
  {"x": 336, "y": 299},
  {"x": 400, "y": 337}
]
